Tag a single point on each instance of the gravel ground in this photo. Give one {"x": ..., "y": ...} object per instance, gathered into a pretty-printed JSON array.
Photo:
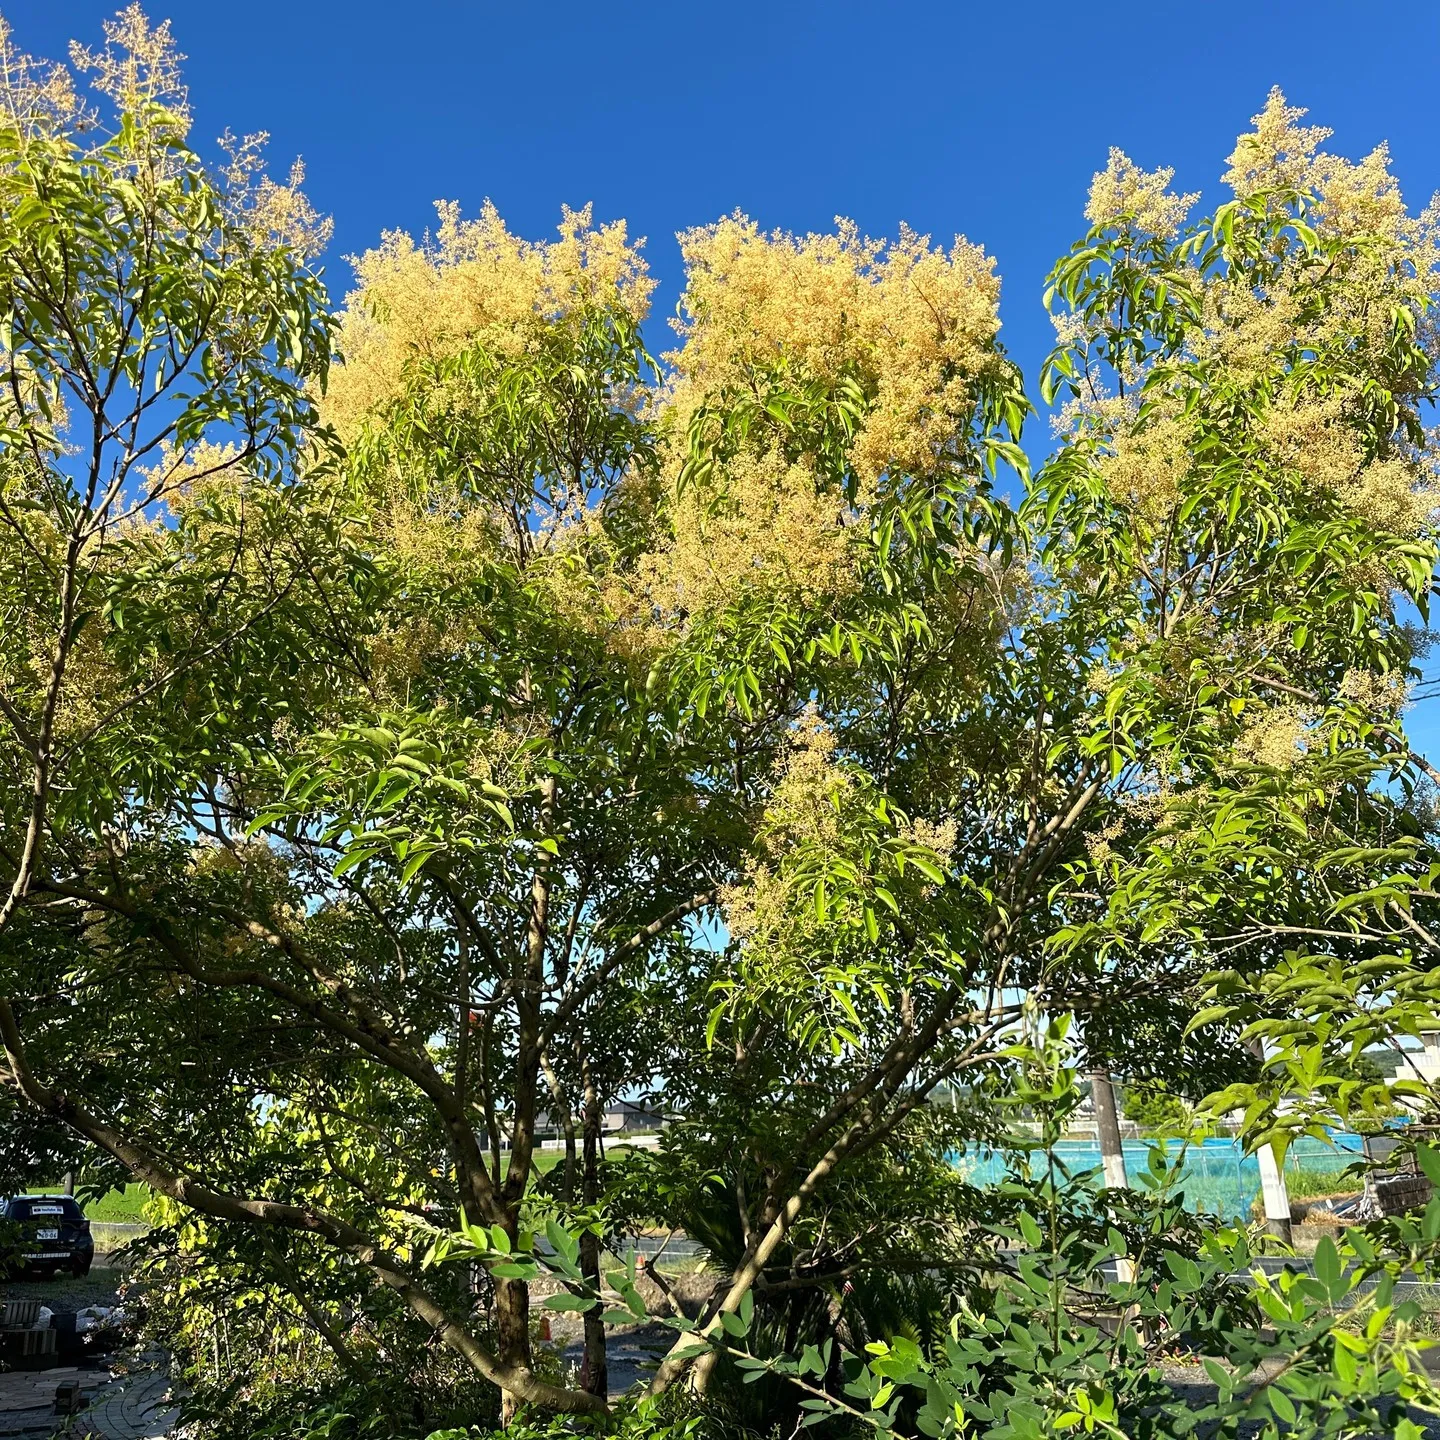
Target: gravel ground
[
  {"x": 631, "y": 1351},
  {"x": 65, "y": 1294}
]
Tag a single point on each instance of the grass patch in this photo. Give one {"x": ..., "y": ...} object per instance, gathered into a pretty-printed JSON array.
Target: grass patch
[
  {"x": 115, "y": 1207},
  {"x": 1306, "y": 1184},
  {"x": 542, "y": 1162},
  {"x": 120, "y": 1207}
]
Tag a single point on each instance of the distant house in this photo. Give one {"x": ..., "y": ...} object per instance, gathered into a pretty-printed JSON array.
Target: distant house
[
  {"x": 621, "y": 1117},
  {"x": 1422, "y": 1064},
  {"x": 627, "y": 1115}
]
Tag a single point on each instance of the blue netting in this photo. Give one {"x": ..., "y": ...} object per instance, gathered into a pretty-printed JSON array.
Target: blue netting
[{"x": 1219, "y": 1178}]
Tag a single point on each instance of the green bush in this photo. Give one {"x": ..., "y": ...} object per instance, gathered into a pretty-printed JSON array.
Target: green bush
[
  {"x": 1152, "y": 1107},
  {"x": 226, "y": 1308},
  {"x": 675, "y": 1416},
  {"x": 1068, "y": 1343}
]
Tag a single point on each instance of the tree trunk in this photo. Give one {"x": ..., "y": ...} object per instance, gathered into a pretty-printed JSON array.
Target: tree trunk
[
  {"x": 1107, "y": 1128},
  {"x": 594, "y": 1368},
  {"x": 562, "y": 1113},
  {"x": 747, "y": 1272},
  {"x": 512, "y": 1335}
]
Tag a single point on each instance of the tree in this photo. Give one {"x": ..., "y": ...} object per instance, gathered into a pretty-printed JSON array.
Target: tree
[
  {"x": 427, "y": 751},
  {"x": 1233, "y": 523},
  {"x": 161, "y": 329},
  {"x": 1295, "y": 870},
  {"x": 1155, "y": 1108},
  {"x": 464, "y": 718}
]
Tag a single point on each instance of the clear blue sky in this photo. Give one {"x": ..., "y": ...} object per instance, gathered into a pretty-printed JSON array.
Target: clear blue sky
[
  {"x": 981, "y": 119},
  {"x": 985, "y": 120}
]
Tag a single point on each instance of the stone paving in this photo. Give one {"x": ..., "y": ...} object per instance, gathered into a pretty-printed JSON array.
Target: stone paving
[
  {"x": 632, "y": 1353},
  {"x": 27, "y": 1399},
  {"x": 139, "y": 1407},
  {"x": 136, "y": 1406},
  {"x": 127, "y": 1400}
]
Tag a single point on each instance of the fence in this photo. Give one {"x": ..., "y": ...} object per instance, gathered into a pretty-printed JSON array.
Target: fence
[
  {"x": 1218, "y": 1178},
  {"x": 112, "y": 1234}
]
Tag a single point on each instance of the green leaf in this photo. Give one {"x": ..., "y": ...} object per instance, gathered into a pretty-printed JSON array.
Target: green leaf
[
  {"x": 562, "y": 1242},
  {"x": 413, "y": 866},
  {"x": 1345, "y": 1366},
  {"x": 513, "y": 1270},
  {"x": 1429, "y": 1160},
  {"x": 1327, "y": 1268},
  {"x": 1282, "y": 1404},
  {"x": 568, "y": 1302}
]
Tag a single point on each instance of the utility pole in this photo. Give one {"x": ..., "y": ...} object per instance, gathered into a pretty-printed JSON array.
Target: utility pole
[
  {"x": 1274, "y": 1195},
  {"x": 1107, "y": 1129},
  {"x": 1112, "y": 1150}
]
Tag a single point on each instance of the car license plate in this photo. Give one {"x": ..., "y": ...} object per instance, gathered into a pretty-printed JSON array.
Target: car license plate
[{"x": 47, "y": 1234}]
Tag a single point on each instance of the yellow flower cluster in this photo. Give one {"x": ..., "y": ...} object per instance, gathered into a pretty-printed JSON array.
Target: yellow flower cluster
[
  {"x": 938, "y": 837},
  {"x": 1146, "y": 467},
  {"x": 1394, "y": 493},
  {"x": 805, "y": 806},
  {"x": 137, "y": 66},
  {"x": 1143, "y": 198},
  {"x": 1277, "y": 738},
  {"x": 914, "y": 325},
  {"x": 274, "y": 213},
  {"x": 1250, "y": 332},
  {"x": 435, "y": 544},
  {"x": 1351, "y": 197},
  {"x": 803, "y": 803},
  {"x": 1396, "y": 267},
  {"x": 1278, "y": 153},
  {"x": 1100, "y": 844},
  {"x": 32, "y": 92},
  {"x": 183, "y": 477},
  {"x": 773, "y": 527},
  {"x": 471, "y": 281},
  {"x": 1382, "y": 695}
]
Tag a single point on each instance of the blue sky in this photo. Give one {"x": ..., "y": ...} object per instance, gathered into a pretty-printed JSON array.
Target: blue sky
[{"x": 985, "y": 120}]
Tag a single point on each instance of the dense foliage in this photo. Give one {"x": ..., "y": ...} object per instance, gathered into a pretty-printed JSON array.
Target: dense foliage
[{"x": 427, "y": 723}]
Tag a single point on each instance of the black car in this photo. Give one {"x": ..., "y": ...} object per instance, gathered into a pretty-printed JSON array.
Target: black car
[{"x": 46, "y": 1232}]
